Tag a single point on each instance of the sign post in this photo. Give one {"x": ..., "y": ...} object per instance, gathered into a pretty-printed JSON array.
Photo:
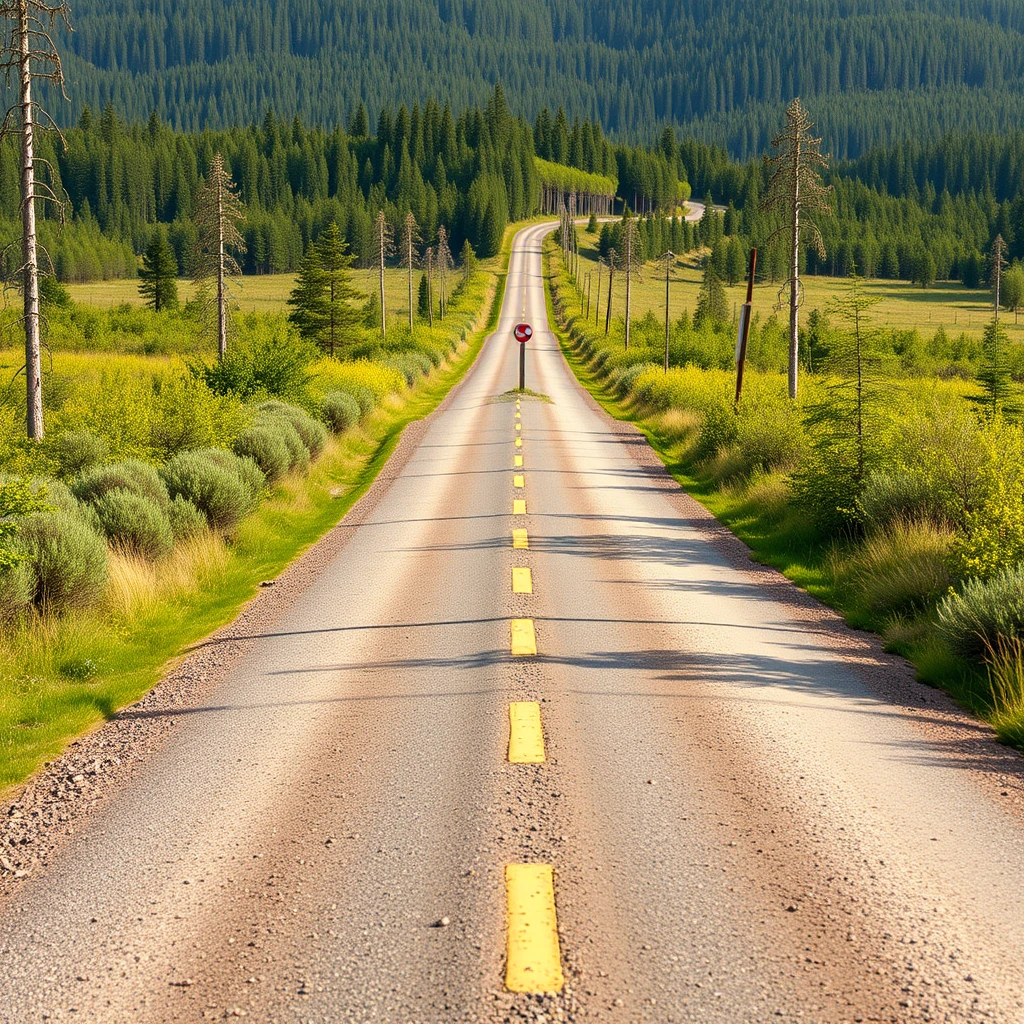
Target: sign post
[{"x": 523, "y": 333}]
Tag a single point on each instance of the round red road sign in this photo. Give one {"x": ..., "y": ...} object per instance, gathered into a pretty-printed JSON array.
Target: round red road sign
[{"x": 523, "y": 333}]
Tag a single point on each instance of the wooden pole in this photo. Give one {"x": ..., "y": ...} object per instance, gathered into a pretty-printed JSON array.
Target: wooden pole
[{"x": 745, "y": 328}]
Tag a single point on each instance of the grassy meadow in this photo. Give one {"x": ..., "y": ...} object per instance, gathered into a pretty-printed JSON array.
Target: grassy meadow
[{"x": 903, "y": 306}]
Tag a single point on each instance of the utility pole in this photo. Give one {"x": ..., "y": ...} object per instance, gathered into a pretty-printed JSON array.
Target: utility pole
[
  {"x": 741, "y": 348},
  {"x": 611, "y": 276},
  {"x": 667, "y": 260}
]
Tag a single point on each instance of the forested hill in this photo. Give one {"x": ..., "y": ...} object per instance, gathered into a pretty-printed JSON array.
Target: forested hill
[{"x": 871, "y": 71}]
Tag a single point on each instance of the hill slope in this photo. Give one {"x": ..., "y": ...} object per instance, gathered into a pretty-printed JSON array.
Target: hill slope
[{"x": 871, "y": 70}]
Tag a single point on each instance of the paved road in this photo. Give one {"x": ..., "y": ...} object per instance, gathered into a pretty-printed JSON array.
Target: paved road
[{"x": 741, "y": 826}]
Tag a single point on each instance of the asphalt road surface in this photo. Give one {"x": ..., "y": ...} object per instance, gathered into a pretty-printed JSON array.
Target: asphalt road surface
[{"x": 744, "y": 812}]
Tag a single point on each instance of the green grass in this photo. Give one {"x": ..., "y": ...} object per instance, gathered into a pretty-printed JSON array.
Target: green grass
[
  {"x": 60, "y": 677},
  {"x": 903, "y": 306}
]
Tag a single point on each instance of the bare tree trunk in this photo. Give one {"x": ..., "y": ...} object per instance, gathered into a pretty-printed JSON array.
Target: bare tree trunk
[
  {"x": 608, "y": 315},
  {"x": 222, "y": 304},
  {"x": 430, "y": 287},
  {"x": 794, "y": 284},
  {"x": 629, "y": 275},
  {"x": 383, "y": 316},
  {"x": 29, "y": 250},
  {"x": 409, "y": 254}
]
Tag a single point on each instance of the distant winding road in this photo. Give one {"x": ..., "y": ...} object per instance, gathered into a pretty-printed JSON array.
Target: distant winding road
[{"x": 742, "y": 810}]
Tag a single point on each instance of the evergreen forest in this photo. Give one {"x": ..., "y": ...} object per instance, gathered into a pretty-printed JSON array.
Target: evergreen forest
[{"x": 874, "y": 71}]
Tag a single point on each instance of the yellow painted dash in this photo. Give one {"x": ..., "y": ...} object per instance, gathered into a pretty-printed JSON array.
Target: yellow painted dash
[
  {"x": 519, "y": 415},
  {"x": 525, "y": 733},
  {"x": 518, "y": 461},
  {"x": 519, "y": 442},
  {"x": 522, "y": 580},
  {"x": 519, "y": 426},
  {"x": 518, "y": 480},
  {"x": 524, "y": 639},
  {"x": 520, "y": 539},
  {"x": 534, "y": 957},
  {"x": 519, "y": 506}
]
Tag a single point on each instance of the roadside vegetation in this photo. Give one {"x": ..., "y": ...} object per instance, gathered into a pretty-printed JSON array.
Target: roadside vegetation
[
  {"x": 891, "y": 488},
  {"x": 170, "y": 484}
]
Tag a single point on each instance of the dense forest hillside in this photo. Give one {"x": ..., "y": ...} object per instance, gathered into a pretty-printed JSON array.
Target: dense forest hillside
[{"x": 874, "y": 71}]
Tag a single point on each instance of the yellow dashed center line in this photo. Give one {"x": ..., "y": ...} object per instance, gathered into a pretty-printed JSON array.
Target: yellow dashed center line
[
  {"x": 519, "y": 415},
  {"x": 519, "y": 442},
  {"x": 518, "y": 480},
  {"x": 519, "y": 426},
  {"x": 520, "y": 539},
  {"x": 525, "y": 733},
  {"x": 534, "y": 957},
  {"x": 524, "y": 639},
  {"x": 522, "y": 580},
  {"x": 519, "y": 507},
  {"x": 518, "y": 461}
]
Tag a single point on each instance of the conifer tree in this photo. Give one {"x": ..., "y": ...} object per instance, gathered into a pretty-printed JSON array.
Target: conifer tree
[
  {"x": 323, "y": 299},
  {"x": 997, "y": 389},
  {"x": 158, "y": 275},
  {"x": 444, "y": 264},
  {"x": 423, "y": 297},
  {"x": 28, "y": 53},
  {"x": 468, "y": 260},
  {"x": 795, "y": 192},
  {"x": 712, "y": 302},
  {"x": 218, "y": 212}
]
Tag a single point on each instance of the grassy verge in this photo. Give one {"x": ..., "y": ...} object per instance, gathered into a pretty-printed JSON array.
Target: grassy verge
[
  {"x": 61, "y": 676},
  {"x": 756, "y": 508}
]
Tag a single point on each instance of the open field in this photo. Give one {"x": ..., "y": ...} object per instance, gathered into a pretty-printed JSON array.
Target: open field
[
  {"x": 903, "y": 306},
  {"x": 265, "y": 293}
]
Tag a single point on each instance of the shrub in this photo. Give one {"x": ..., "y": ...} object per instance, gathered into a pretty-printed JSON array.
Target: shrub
[
  {"x": 902, "y": 569},
  {"x": 251, "y": 476},
  {"x": 137, "y": 477},
  {"x": 265, "y": 445},
  {"x": 68, "y": 560},
  {"x": 135, "y": 523},
  {"x": 17, "y": 586},
  {"x": 984, "y": 614},
  {"x": 890, "y": 496},
  {"x": 217, "y": 492},
  {"x": 313, "y": 434},
  {"x": 185, "y": 519},
  {"x": 77, "y": 451},
  {"x": 717, "y": 430},
  {"x": 298, "y": 453},
  {"x": 340, "y": 410},
  {"x": 769, "y": 437}
]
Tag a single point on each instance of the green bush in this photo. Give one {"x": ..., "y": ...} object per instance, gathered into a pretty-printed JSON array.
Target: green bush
[
  {"x": 298, "y": 453},
  {"x": 135, "y": 523},
  {"x": 340, "y": 411},
  {"x": 984, "y": 613},
  {"x": 251, "y": 476},
  {"x": 77, "y": 451},
  {"x": 217, "y": 492},
  {"x": 265, "y": 445},
  {"x": 313, "y": 434},
  {"x": 68, "y": 560},
  {"x": 891, "y": 496},
  {"x": 717, "y": 430},
  {"x": 769, "y": 437},
  {"x": 902, "y": 569},
  {"x": 17, "y": 586},
  {"x": 185, "y": 519},
  {"x": 137, "y": 477}
]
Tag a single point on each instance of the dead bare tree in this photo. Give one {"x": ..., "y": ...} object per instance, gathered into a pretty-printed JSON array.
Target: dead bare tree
[
  {"x": 429, "y": 257},
  {"x": 795, "y": 192},
  {"x": 666, "y": 261},
  {"x": 28, "y": 53},
  {"x": 632, "y": 260},
  {"x": 218, "y": 211},
  {"x": 410, "y": 238},
  {"x": 444, "y": 263},
  {"x": 384, "y": 247}
]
